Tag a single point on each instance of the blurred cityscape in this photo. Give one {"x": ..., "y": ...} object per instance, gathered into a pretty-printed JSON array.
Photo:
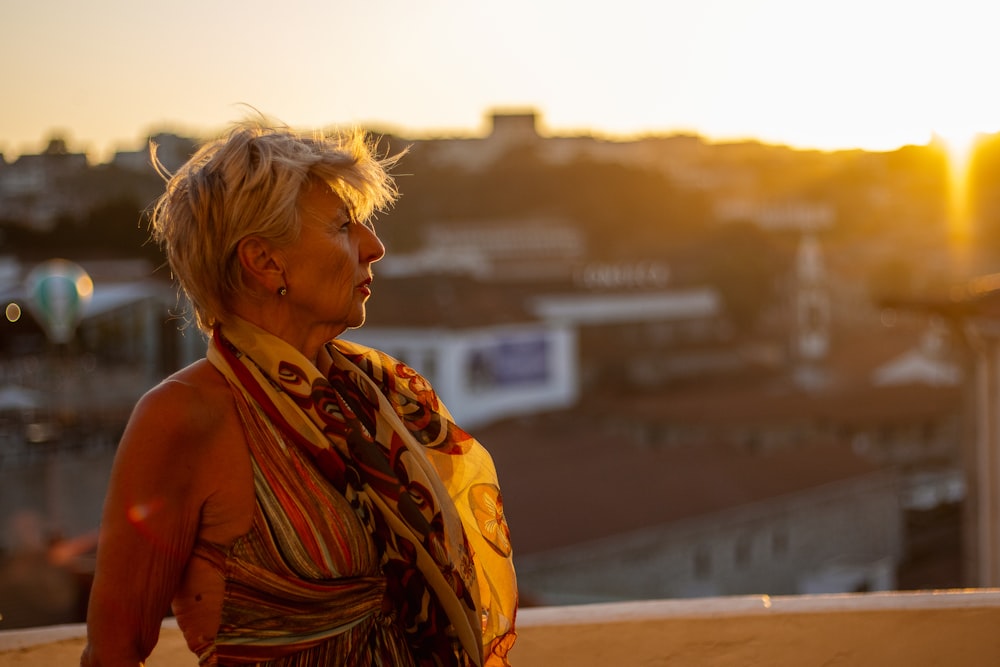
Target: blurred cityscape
[{"x": 702, "y": 368}]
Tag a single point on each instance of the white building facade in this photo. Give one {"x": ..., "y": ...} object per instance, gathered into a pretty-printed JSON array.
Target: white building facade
[{"x": 487, "y": 374}]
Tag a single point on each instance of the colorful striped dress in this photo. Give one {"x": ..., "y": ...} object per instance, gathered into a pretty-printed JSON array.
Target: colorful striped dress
[{"x": 303, "y": 587}]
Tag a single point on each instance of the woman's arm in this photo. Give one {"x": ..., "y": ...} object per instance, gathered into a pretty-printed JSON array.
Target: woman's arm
[{"x": 149, "y": 525}]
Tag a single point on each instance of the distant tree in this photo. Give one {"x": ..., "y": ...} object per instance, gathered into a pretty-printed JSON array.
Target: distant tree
[
  {"x": 623, "y": 210},
  {"x": 113, "y": 229},
  {"x": 747, "y": 266},
  {"x": 119, "y": 227},
  {"x": 108, "y": 182},
  {"x": 629, "y": 210}
]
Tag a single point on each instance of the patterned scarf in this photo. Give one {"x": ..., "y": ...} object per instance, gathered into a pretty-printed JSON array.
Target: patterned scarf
[{"x": 425, "y": 490}]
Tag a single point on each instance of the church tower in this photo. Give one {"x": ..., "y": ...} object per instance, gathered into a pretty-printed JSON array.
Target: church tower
[{"x": 812, "y": 318}]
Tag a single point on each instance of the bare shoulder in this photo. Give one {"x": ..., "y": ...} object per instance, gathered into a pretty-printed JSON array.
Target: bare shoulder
[
  {"x": 189, "y": 416},
  {"x": 194, "y": 397}
]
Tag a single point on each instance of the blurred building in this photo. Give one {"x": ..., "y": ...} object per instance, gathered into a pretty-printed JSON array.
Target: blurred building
[
  {"x": 33, "y": 188},
  {"x": 172, "y": 151}
]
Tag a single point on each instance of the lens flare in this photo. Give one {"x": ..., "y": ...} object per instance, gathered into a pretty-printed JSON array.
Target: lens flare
[
  {"x": 959, "y": 145},
  {"x": 13, "y": 312},
  {"x": 140, "y": 512}
]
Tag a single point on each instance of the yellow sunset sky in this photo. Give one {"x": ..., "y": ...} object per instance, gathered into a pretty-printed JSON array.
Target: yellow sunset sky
[{"x": 874, "y": 74}]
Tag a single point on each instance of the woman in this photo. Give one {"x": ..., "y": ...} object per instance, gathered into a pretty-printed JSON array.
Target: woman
[{"x": 296, "y": 499}]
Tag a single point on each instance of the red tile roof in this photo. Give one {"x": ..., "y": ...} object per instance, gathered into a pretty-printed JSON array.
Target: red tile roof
[{"x": 567, "y": 483}]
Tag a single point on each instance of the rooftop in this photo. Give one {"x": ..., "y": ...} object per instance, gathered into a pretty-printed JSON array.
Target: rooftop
[{"x": 566, "y": 483}]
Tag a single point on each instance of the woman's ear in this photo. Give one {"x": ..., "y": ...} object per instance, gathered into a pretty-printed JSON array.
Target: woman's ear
[{"x": 261, "y": 263}]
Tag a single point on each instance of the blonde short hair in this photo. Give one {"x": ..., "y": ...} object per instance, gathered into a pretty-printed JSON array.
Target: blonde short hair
[{"x": 248, "y": 182}]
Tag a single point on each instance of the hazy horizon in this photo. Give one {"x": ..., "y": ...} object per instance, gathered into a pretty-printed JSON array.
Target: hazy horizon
[{"x": 870, "y": 74}]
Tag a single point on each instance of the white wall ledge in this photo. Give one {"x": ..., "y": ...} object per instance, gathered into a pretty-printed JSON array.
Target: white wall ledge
[
  {"x": 716, "y": 607},
  {"x": 892, "y": 629}
]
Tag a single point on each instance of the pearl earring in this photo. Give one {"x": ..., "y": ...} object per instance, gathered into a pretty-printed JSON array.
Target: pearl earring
[{"x": 282, "y": 291}]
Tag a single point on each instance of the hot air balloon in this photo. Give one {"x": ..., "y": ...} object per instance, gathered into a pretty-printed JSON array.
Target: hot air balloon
[{"x": 57, "y": 292}]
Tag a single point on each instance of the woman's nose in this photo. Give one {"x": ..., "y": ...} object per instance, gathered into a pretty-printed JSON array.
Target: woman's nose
[{"x": 371, "y": 247}]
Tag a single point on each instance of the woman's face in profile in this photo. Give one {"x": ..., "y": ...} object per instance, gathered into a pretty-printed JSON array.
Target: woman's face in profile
[{"x": 328, "y": 269}]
